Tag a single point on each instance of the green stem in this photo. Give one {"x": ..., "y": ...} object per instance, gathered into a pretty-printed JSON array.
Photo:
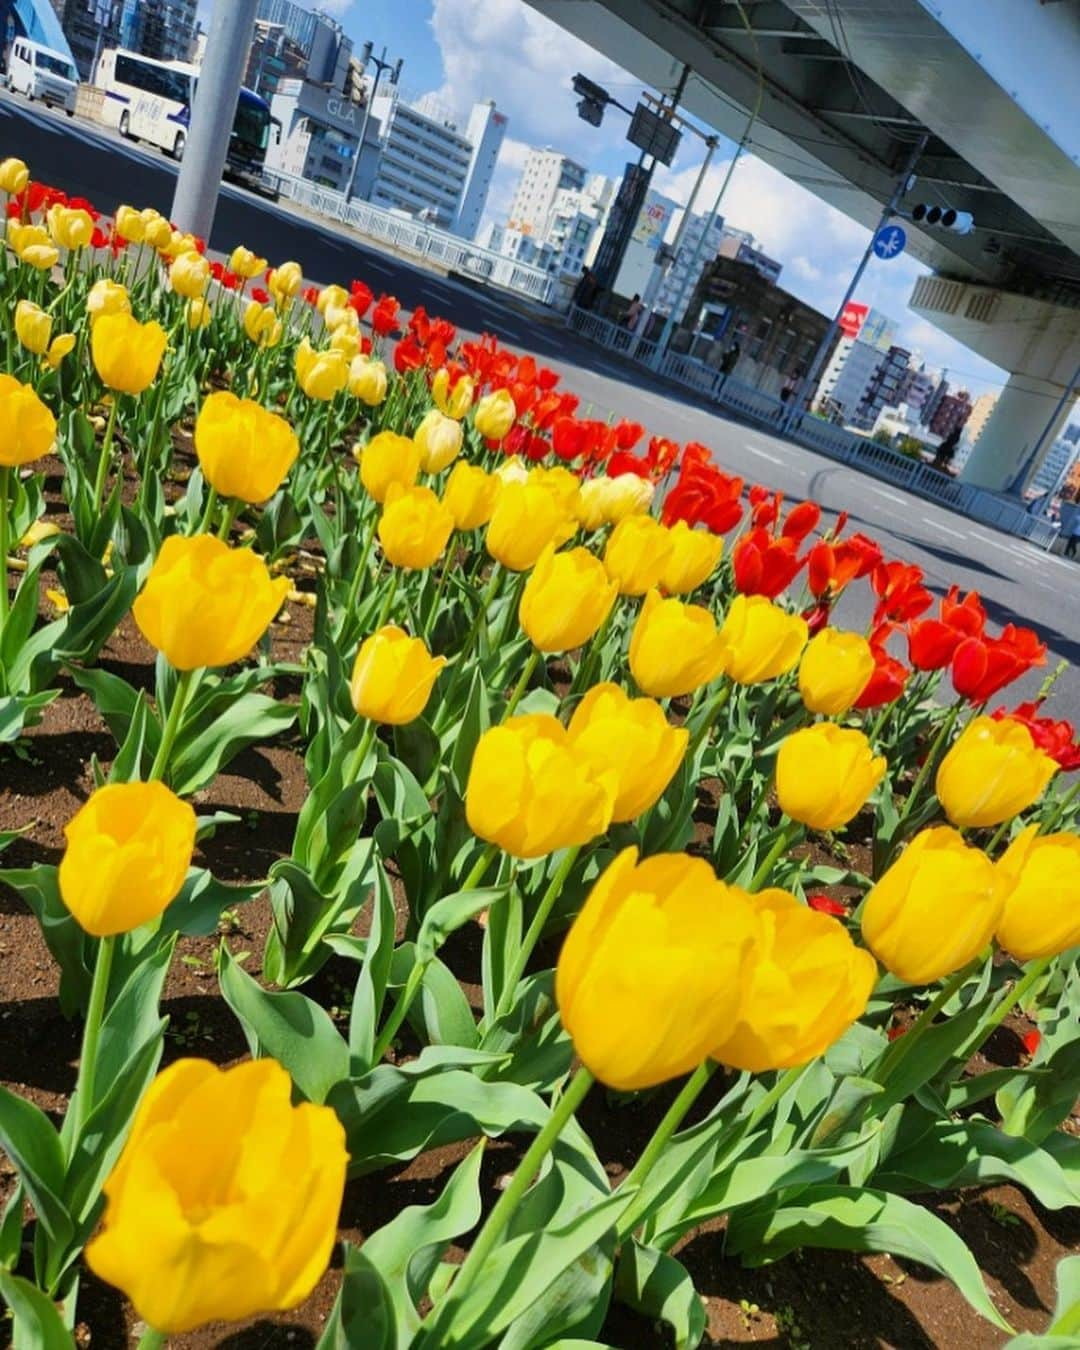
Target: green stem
[
  {"x": 1033, "y": 972},
  {"x": 388, "y": 600},
  {"x": 232, "y": 510},
  {"x": 356, "y": 763},
  {"x": 510, "y": 614},
  {"x": 931, "y": 760},
  {"x": 767, "y": 864},
  {"x": 401, "y": 1008},
  {"x": 5, "y": 491},
  {"x": 106, "y": 453},
  {"x": 902, "y": 1047},
  {"x": 535, "y": 930},
  {"x": 151, "y": 1340},
  {"x": 583, "y": 676},
  {"x": 184, "y": 686},
  {"x": 523, "y": 682},
  {"x": 84, "y": 1088},
  {"x": 361, "y": 566},
  {"x": 783, "y": 1084},
  {"x": 508, "y": 1202},
  {"x": 208, "y": 512},
  {"x": 709, "y": 719},
  {"x": 996, "y": 838},
  {"x": 479, "y": 867},
  {"x": 673, "y": 1118},
  {"x": 756, "y": 805},
  {"x": 1059, "y": 810},
  {"x": 433, "y": 612}
]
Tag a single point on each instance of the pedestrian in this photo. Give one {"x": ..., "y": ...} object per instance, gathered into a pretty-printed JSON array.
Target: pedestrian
[
  {"x": 728, "y": 362},
  {"x": 1074, "y": 536},
  {"x": 634, "y": 311},
  {"x": 584, "y": 296},
  {"x": 947, "y": 450}
]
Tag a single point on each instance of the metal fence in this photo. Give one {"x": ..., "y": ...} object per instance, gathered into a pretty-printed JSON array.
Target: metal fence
[
  {"x": 827, "y": 438},
  {"x": 420, "y": 239}
]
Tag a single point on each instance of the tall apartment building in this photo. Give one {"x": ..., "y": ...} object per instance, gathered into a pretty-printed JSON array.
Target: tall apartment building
[
  {"x": 296, "y": 43},
  {"x": 950, "y": 413},
  {"x": 883, "y": 387},
  {"x": 1054, "y": 471},
  {"x": 546, "y": 172},
  {"x": 844, "y": 381},
  {"x": 423, "y": 161},
  {"x": 163, "y": 29},
  {"x": 671, "y": 287},
  {"x": 484, "y": 132}
]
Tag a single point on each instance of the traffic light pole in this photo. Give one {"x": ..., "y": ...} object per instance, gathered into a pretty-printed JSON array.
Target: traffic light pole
[
  {"x": 795, "y": 409},
  {"x": 380, "y": 64},
  {"x": 232, "y": 26}
]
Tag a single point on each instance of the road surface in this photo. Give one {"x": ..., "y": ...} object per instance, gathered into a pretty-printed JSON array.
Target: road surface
[{"x": 1018, "y": 582}]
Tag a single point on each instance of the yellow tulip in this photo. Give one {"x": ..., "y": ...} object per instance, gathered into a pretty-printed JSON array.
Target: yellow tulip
[
  {"x": 692, "y": 560},
  {"x": 32, "y": 245},
  {"x": 157, "y": 232},
  {"x": 176, "y": 243},
  {"x": 244, "y": 451},
  {"x": 1041, "y": 879},
  {"x": 332, "y": 297},
  {"x": 649, "y": 977},
  {"x": 512, "y": 470},
  {"x": 224, "y": 1202},
  {"x": 470, "y": 495},
  {"x": 526, "y": 518},
  {"x": 606, "y": 501},
  {"x": 245, "y": 264},
  {"x": 807, "y": 984},
  {"x": 71, "y": 227},
  {"x": 565, "y": 600},
  {"x": 393, "y": 676},
  {"x": 454, "y": 402},
  {"x": 14, "y": 176},
  {"x": 495, "y": 414},
  {"x": 285, "y": 281},
  {"x": 341, "y": 318},
  {"x": 992, "y": 773},
  {"x": 414, "y": 527},
  {"x": 438, "y": 438},
  {"x": 637, "y": 553},
  {"x": 107, "y": 297},
  {"x": 320, "y": 374},
  {"x": 674, "y": 648},
  {"x": 761, "y": 640},
  {"x": 205, "y": 604},
  {"x": 347, "y": 342},
  {"x": 824, "y": 775},
  {"x": 59, "y": 347},
  {"x": 189, "y": 275},
  {"x": 128, "y": 851},
  {"x": 935, "y": 909},
  {"x": 834, "y": 670},
  {"x": 33, "y": 327},
  {"x": 634, "y": 738},
  {"x": 563, "y": 485},
  {"x": 388, "y": 459},
  {"x": 367, "y": 380},
  {"x": 27, "y": 427},
  {"x": 262, "y": 325},
  {"x": 198, "y": 313},
  {"x": 130, "y": 224},
  {"x": 127, "y": 354},
  {"x": 531, "y": 792}
]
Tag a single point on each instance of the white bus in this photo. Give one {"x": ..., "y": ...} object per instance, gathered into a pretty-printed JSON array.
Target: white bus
[
  {"x": 40, "y": 72},
  {"x": 149, "y": 100}
]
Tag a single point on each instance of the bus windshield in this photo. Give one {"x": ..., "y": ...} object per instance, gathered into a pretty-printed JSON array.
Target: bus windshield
[
  {"x": 55, "y": 65},
  {"x": 251, "y": 129}
]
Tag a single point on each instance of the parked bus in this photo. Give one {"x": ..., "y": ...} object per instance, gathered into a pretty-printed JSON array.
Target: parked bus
[
  {"x": 149, "y": 100},
  {"x": 40, "y": 72}
]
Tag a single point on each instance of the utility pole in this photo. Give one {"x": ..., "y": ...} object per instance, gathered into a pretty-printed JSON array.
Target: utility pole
[
  {"x": 380, "y": 63},
  {"x": 1032, "y": 464},
  {"x": 795, "y": 406},
  {"x": 232, "y": 26}
]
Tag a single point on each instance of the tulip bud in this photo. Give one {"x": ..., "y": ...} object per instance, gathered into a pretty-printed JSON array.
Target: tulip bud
[
  {"x": 606, "y": 501},
  {"x": 393, "y": 676},
  {"x": 992, "y": 773},
  {"x": 189, "y": 275},
  {"x": 387, "y": 459},
  {"x": 245, "y": 263},
  {"x": 262, "y": 325},
  {"x": 495, "y": 415},
  {"x": 205, "y": 604},
  {"x": 71, "y": 227},
  {"x": 692, "y": 560},
  {"x": 158, "y": 232},
  {"x": 650, "y": 975},
  {"x": 27, "y": 427},
  {"x": 807, "y": 984},
  {"x": 414, "y": 527},
  {"x": 130, "y": 224},
  {"x": 59, "y": 347},
  {"x": 127, "y": 354},
  {"x": 637, "y": 553},
  {"x": 32, "y": 245},
  {"x": 565, "y": 600},
  {"x": 470, "y": 495},
  {"x": 512, "y": 470},
  {"x": 526, "y": 518},
  {"x": 935, "y": 909},
  {"x": 244, "y": 450},
  {"x": 33, "y": 327},
  {"x": 632, "y": 737},
  {"x": 320, "y": 374},
  {"x": 1041, "y": 879},
  {"x": 347, "y": 342},
  {"x": 285, "y": 281},
  {"x": 674, "y": 648},
  {"x": 128, "y": 851},
  {"x": 367, "y": 380},
  {"x": 107, "y": 297},
  {"x": 531, "y": 792},
  {"x": 438, "y": 438},
  {"x": 332, "y": 297},
  {"x": 824, "y": 775},
  {"x": 198, "y": 313},
  {"x": 454, "y": 402},
  {"x": 248, "y": 1238},
  {"x": 14, "y": 176},
  {"x": 761, "y": 640},
  {"x": 835, "y": 668}
]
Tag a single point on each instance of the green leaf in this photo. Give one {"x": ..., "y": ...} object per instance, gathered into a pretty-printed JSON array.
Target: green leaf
[
  {"x": 364, "y": 1312},
  {"x": 1067, "y": 1308},
  {"x": 417, "y": 747},
  {"x": 252, "y": 719},
  {"x": 19, "y": 711},
  {"x": 1034, "y": 1107},
  {"x": 115, "y": 699},
  {"x": 444, "y": 1010},
  {"x": 69, "y": 944},
  {"x": 288, "y": 1027},
  {"x": 502, "y": 941},
  {"x": 38, "y": 1324},
  {"x": 451, "y": 913},
  {"x": 844, "y": 1218},
  {"x": 370, "y": 994},
  {"x": 659, "y": 1287},
  {"x": 198, "y": 907},
  {"x": 461, "y": 739},
  {"x": 33, "y": 1146},
  {"x": 11, "y": 1229}
]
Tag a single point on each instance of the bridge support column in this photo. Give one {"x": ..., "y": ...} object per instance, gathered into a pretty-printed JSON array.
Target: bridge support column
[{"x": 1020, "y": 418}]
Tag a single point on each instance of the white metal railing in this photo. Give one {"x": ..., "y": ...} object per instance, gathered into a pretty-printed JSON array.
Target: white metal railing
[
  {"x": 860, "y": 452},
  {"x": 419, "y": 238}
]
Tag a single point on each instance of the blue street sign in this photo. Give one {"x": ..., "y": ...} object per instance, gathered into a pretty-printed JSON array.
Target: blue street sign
[{"x": 889, "y": 241}]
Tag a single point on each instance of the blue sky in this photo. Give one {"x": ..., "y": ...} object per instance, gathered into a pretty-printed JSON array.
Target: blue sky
[{"x": 465, "y": 50}]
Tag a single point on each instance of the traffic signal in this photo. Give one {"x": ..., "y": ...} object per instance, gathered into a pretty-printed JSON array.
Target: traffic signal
[
  {"x": 943, "y": 218},
  {"x": 594, "y": 99}
]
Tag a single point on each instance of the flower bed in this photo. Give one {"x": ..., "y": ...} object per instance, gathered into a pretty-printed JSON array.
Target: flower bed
[{"x": 614, "y": 892}]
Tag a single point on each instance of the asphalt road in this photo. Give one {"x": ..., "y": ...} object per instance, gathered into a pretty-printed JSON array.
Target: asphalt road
[{"x": 1019, "y": 583}]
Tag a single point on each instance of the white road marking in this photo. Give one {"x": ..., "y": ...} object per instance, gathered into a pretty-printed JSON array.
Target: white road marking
[
  {"x": 892, "y": 496},
  {"x": 764, "y": 454},
  {"x": 942, "y": 529}
]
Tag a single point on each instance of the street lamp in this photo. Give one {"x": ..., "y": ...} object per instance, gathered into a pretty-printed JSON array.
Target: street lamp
[{"x": 381, "y": 64}]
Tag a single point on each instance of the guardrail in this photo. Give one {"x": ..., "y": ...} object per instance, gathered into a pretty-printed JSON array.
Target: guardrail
[
  {"x": 422, "y": 240},
  {"x": 827, "y": 438}
]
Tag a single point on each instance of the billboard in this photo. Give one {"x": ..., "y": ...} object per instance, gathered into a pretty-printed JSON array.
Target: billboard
[{"x": 852, "y": 319}]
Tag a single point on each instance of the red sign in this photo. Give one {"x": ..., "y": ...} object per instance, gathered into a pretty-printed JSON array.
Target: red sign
[{"x": 853, "y": 318}]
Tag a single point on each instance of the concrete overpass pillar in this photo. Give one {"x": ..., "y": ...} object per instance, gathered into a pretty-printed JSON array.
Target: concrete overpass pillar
[{"x": 1014, "y": 428}]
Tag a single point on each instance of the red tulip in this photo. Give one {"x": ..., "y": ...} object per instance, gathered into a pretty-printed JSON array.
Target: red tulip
[
  {"x": 966, "y": 616},
  {"x": 764, "y": 565},
  {"x": 1031, "y": 1040},
  {"x": 834, "y": 564},
  {"x": 384, "y": 317},
  {"x": 825, "y": 904},
  {"x": 627, "y": 434},
  {"x": 1056, "y": 737},
  {"x": 931, "y": 644},
  {"x": 360, "y": 298},
  {"x": 983, "y": 665},
  {"x": 407, "y": 355},
  {"x": 259, "y": 295},
  {"x": 901, "y": 594},
  {"x": 890, "y": 676},
  {"x": 801, "y": 520}
]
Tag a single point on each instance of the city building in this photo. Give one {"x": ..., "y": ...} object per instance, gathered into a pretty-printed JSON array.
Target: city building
[
  {"x": 423, "y": 159},
  {"x": 950, "y": 413},
  {"x": 162, "y": 29},
  {"x": 296, "y": 43},
  {"x": 736, "y": 244},
  {"x": 916, "y": 389},
  {"x": 671, "y": 286},
  {"x": 883, "y": 387},
  {"x": 320, "y": 135},
  {"x": 546, "y": 172},
  {"x": 484, "y": 131},
  {"x": 1054, "y": 471},
  {"x": 1071, "y": 432},
  {"x": 846, "y": 376}
]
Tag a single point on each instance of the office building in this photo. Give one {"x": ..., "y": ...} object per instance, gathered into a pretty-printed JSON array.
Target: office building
[
  {"x": 882, "y": 388},
  {"x": 1057, "y": 464},
  {"x": 1071, "y": 433},
  {"x": 484, "y": 132},
  {"x": 736, "y": 244},
  {"x": 950, "y": 413},
  {"x": 671, "y": 286},
  {"x": 546, "y": 172},
  {"x": 295, "y": 43},
  {"x": 423, "y": 160},
  {"x": 162, "y": 29},
  {"x": 320, "y": 134},
  {"x": 916, "y": 389}
]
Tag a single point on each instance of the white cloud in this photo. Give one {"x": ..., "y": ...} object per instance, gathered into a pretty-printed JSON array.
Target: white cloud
[
  {"x": 335, "y": 8},
  {"x": 805, "y": 269}
]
